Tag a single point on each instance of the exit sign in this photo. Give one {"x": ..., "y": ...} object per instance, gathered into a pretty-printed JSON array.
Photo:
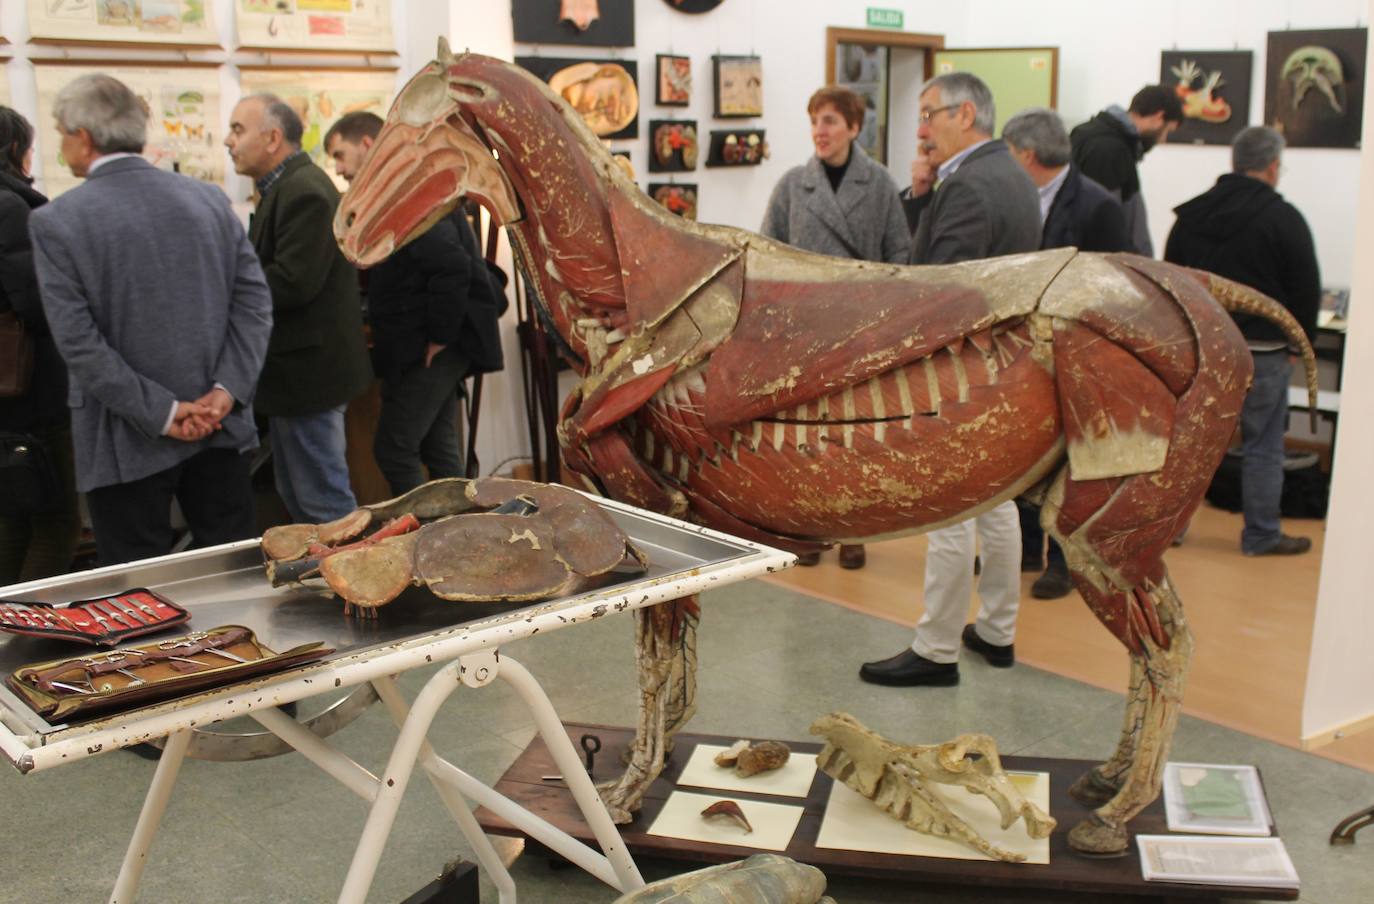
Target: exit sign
[{"x": 884, "y": 18}]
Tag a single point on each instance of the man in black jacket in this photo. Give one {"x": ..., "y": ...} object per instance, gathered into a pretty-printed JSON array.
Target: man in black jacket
[
  {"x": 433, "y": 313},
  {"x": 1243, "y": 229},
  {"x": 1075, "y": 211},
  {"x": 1107, "y": 148}
]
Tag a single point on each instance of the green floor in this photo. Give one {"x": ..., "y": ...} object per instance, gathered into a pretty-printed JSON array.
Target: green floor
[{"x": 279, "y": 830}]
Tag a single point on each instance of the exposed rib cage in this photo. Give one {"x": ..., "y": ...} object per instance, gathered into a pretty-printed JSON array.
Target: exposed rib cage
[{"x": 676, "y": 439}]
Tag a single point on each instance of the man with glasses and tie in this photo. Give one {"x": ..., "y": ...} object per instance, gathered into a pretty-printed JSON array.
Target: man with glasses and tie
[{"x": 970, "y": 200}]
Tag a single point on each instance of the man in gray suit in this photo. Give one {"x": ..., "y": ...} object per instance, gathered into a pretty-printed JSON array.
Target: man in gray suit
[
  {"x": 163, "y": 324},
  {"x": 974, "y": 202}
]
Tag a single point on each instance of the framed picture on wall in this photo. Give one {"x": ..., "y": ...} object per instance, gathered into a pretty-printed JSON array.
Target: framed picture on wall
[
  {"x": 597, "y": 23},
  {"x": 679, "y": 197},
  {"x": 605, "y": 92},
  {"x": 738, "y": 86},
  {"x": 673, "y": 145},
  {"x": 1019, "y": 77},
  {"x": 1215, "y": 89},
  {"x": 674, "y": 85},
  {"x": 1314, "y": 86}
]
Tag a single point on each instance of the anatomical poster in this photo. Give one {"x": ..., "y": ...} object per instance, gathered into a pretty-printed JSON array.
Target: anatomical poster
[
  {"x": 363, "y": 25},
  {"x": 1215, "y": 89},
  {"x": 183, "y": 119},
  {"x": 1314, "y": 86},
  {"x": 320, "y": 97},
  {"x": 184, "y": 23}
]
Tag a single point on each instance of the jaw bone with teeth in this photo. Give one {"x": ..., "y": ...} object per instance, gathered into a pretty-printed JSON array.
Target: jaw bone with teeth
[{"x": 1314, "y": 67}]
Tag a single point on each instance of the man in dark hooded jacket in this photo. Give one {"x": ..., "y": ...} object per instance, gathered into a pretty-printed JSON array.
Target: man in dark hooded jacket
[
  {"x": 1108, "y": 147},
  {"x": 1244, "y": 230}
]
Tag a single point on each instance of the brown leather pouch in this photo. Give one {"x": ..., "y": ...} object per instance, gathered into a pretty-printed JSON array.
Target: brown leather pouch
[
  {"x": 102, "y": 621},
  {"x": 60, "y": 689}
]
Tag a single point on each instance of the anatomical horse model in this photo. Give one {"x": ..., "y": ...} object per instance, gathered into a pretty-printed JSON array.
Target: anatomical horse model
[{"x": 801, "y": 400}]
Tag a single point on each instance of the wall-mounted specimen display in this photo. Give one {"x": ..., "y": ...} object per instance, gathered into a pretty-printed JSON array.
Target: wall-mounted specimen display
[
  {"x": 320, "y": 97},
  {"x": 622, "y": 158},
  {"x": 183, "y": 119},
  {"x": 598, "y": 23},
  {"x": 1314, "y": 86},
  {"x": 693, "y": 6},
  {"x": 739, "y": 85},
  {"x": 674, "y": 85},
  {"x": 673, "y": 145},
  {"x": 605, "y": 92},
  {"x": 315, "y": 24},
  {"x": 737, "y": 147},
  {"x": 183, "y": 23},
  {"x": 1215, "y": 89},
  {"x": 679, "y": 197}
]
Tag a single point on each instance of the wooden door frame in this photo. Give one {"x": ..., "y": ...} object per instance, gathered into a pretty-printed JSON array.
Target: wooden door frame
[{"x": 878, "y": 37}]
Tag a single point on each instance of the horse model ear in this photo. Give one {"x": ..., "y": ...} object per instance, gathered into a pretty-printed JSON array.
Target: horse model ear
[{"x": 445, "y": 54}]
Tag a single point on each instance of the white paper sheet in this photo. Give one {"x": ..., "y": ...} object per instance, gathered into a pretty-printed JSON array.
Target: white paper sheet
[
  {"x": 792, "y": 780},
  {"x": 852, "y": 822},
  {"x": 681, "y": 817}
]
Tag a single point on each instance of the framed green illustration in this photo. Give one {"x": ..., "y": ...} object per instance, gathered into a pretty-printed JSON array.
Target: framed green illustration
[
  {"x": 1019, "y": 77},
  {"x": 176, "y": 23}
]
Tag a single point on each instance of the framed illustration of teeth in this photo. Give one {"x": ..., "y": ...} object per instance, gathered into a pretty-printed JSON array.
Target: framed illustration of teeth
[
  {"x": 738, "y": 86},
  {"x": 596, "y": 23},
  {"x": 1314, "y": 86},
  {"x": 183, "y": 119},
  {"x": 174, "y": 23},
  {"x": 358, "y": 25},
  {"x": 1215, "y": 89}
]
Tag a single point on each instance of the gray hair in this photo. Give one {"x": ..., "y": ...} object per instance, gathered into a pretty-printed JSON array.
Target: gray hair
[
  {"x": 964, "y": 87},
  {"x": 278, "y": 114},
  {"x": 1041, "y": 132},
  {"x": 115, "y": 117},
  {"x": 1255, "y": 148}
]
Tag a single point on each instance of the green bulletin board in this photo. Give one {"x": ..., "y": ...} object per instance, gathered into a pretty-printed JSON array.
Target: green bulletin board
[{"x": 1019, "y": 77}]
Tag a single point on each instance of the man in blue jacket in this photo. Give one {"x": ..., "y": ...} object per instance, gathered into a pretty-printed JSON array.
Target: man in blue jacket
[
  {"x": 1243, "y": 229},
  {"x": 163, "y": 324}
]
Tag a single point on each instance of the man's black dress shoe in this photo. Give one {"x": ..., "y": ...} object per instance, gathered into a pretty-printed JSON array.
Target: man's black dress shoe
[
  {"x": 998, "y": 657},
  {"x": 907, "y": 669},
  {"x": 1287, "y": 546},
  {"x": 1053, "y": 584}
]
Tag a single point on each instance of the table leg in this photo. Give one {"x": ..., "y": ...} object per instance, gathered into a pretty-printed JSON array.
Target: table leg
[
  {"x": 457, "y": 805},
  {"x": 154, "y": 806},
  {"x": 574, "y": 773}
]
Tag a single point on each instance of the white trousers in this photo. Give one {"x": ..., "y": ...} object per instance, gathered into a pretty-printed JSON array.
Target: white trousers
[{"x": 949, "y": 583}]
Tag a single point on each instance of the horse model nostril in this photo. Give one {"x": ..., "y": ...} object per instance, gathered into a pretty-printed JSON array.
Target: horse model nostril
[{"x": 351, "y": 217}]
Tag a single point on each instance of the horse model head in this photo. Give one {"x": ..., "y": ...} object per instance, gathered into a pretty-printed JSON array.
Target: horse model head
[{"x": 476, "y": 126}]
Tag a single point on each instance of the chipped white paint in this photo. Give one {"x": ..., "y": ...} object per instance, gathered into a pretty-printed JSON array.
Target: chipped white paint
[
  {"x": 525, "y": 536},
  {"x": 642, "y": 366},
  {"x": 932, "y": 384}
]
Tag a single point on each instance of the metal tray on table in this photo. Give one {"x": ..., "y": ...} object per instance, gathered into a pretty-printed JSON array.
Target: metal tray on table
[{"x": 227, "y": 585}]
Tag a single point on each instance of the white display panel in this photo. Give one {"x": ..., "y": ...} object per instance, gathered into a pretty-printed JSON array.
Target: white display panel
[
  {"x": 315, "y": 24},
  {"x": 184, "y": 132},
  {"x": 177, "y": 22}
]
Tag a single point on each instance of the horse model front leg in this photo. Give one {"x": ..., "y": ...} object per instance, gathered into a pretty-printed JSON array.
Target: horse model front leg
[{"x": 665, "y": 656}]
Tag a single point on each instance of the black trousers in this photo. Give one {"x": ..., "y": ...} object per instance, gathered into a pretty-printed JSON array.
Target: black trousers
[{"x": 134, "y": 520}]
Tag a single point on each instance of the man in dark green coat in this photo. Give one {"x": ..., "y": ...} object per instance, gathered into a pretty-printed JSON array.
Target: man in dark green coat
[{"x": 317, "y": 359}]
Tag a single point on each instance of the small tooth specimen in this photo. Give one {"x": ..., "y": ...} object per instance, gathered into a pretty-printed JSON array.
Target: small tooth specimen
[
  {"x": 728, "y": 756},
  {"x": 727, "y": 811}
]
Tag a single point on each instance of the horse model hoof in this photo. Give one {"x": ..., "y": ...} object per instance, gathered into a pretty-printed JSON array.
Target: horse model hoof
[
  {"x": 1092, "y": 789},
  {"x": 1093, "y": 837}
]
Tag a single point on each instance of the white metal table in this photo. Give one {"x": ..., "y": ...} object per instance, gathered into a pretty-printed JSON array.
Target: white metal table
[{"x": 226, "y": 585}]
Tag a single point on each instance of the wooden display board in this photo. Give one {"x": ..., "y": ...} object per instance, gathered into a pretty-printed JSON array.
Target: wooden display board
[
  {"x": 176, "y": 23},
  {"x": 359, "y": 25},
  {"x": 1113, "y": 878},
  {"x": 321, "y": 96},
  {"x": 184, "y": 131},
  {"x": 1019, "y": 77}
]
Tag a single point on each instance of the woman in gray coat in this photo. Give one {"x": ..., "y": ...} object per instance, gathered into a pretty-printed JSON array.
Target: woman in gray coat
[{"x": 839, "y": 203}]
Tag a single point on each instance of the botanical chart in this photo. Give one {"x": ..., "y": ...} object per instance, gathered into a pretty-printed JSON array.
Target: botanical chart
[
  {"x": 315, "y": 24},
  {"x": 183, "y": 119},
  {"x": 320, "y": 97},
  {"x": 181, "y": 22}
]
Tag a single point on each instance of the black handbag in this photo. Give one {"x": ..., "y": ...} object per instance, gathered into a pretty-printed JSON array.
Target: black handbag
[
  {"x": 28, "y": 480},
  {"x": 16, "y": 356}
]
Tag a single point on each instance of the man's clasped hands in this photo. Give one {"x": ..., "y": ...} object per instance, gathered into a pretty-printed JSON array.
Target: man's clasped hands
[{"x": 196, "y": 420}]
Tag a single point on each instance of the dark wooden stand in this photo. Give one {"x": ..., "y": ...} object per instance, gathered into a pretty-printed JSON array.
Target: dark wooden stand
[
  {"x": 1066, "y": 872},
  {"x": 457, "y": 885}
]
